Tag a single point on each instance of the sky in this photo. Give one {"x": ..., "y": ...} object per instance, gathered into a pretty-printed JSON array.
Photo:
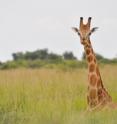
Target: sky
[{"x": 28, "y": 25}]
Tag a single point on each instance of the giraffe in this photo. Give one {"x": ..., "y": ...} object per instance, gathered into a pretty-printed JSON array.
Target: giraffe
[{"x": 97, "y": 95}]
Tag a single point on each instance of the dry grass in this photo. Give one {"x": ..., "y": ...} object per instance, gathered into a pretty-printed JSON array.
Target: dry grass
[{"x": 51, "y": 96}]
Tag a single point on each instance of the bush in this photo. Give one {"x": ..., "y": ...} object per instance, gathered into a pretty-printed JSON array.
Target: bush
[{"x": 69, "y": 56}]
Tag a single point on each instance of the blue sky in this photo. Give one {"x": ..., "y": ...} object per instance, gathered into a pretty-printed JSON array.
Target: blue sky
[{"x": 27, "y": 25}]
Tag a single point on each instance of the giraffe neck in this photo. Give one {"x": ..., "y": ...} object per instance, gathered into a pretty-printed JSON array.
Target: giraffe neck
[
  {"x": 96, "y": 91},
  {"x": 92, "y": 66}
]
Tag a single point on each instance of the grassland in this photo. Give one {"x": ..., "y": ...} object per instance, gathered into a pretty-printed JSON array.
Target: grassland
[{"x": 52, "y": 96}]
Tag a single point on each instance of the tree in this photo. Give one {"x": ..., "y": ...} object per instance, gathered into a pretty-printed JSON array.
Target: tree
[
  {"x": 18, "y": 56},
  {"x": 53, "y": 56},
  {"x": 38, "y": 54},
  {"x": 69, "y": 56}
]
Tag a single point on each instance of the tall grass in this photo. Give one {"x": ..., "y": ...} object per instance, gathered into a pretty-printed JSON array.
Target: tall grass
[{"x": 52, "y": 96}]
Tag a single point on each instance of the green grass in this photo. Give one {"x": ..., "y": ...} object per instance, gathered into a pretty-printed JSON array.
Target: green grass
[{"x": 52, "y": 96}]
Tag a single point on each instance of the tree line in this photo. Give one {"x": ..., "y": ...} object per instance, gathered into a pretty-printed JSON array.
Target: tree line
[
  {"x": 42, "y": 54},
  {"x": 43, "y": 58}
]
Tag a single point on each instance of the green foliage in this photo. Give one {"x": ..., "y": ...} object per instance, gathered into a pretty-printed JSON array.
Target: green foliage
[
  {"x": 108, "y": 61},
  {"x": 56, "y": 63},
  {"x": 43, "y": 59},
  {"x": 18, "y": 55},
  {"x": 41, "y": 54},
  {"x": 69, "y": 56},
  {"x": 53, "y": 56},
  {"x": 38, "y": 54},
  {"x": 9, "y": 65}
]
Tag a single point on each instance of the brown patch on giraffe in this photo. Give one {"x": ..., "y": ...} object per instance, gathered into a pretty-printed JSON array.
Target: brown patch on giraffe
[
  {"x": 92, "y": 94},
  {"x": 90, "y": 58},
  {"x": 99, "y": 83},
  {"x": 91, "y": 67},
  {"x": 97, "y": 70},
  {"x": 93, "y": 79},
  {"x": 100, "y": 94},
  {"x": 100, "y": 91},
  {"x": 88, "y": 51},
  {"x": 95, "y": 60}
]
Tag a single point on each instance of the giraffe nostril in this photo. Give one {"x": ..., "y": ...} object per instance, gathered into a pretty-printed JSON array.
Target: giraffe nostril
[{"x": 83, "y": 38}]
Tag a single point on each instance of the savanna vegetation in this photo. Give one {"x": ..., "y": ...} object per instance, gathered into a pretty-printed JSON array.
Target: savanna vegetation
[
  {"x": 52, "y": 91},
  {"x": 52, "y": 96},
  {"x": 43, "y": 59}
]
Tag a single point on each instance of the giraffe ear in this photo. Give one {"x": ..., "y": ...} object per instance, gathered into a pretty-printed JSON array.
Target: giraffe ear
[
  {"x": 94, "y": 29},
  {"x": 75, "y": 29}
]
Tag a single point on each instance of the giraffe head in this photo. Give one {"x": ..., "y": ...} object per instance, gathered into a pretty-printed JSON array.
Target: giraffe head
[{"x": 84, "y": 31}]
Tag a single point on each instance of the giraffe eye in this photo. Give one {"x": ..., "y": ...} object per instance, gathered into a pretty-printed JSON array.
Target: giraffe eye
[
  {"x": 78, "y": 33},
  {"x": 89, "y": 33}
]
